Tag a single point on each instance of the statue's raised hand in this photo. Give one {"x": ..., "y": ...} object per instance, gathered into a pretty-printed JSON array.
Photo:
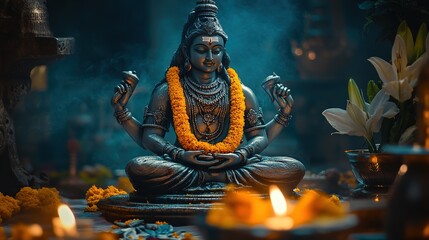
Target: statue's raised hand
[
  {"x": 278, "y": 92},
  {"x": 283, "y": 98},
  {"x": 124, "y": 90},
  {"x": 197, "y": 158}
]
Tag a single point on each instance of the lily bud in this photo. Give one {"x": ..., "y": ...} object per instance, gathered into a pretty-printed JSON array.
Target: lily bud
[
  {"x": 419, "y": 47},
  {"x": 355, "y": 95},
  {"x": 405, "y": 32}
]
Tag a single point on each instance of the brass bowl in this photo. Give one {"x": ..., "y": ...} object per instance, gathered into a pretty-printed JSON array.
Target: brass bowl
[{"x": 374, "y": 169}]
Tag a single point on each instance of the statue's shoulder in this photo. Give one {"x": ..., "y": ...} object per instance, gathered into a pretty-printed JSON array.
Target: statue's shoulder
[
  {"x": 248, "y": 93},
  {"x": 247, "y": 90},
  {"x": 160, "y": 92},
  {"x": 161, "y": 89}
]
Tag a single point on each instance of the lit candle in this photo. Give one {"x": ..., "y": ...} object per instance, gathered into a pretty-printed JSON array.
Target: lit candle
[
  {"x": 65, "y": 224},
  {"x": 67, "y": 227},
  {"x": 281, "y": 221}
]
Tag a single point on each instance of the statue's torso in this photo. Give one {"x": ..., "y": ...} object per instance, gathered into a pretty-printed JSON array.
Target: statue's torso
[{"x": 207, "y": 106}]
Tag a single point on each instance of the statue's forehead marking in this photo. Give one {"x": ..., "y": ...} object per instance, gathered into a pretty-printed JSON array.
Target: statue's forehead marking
[{"x": 210, "y": 39}]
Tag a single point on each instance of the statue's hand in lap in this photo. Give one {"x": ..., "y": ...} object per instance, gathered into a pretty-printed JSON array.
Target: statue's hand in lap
[
  {"x": 283, "y": 97},
  {"x": 197, "y": 158},
  {"x": 227, "y": 160}
]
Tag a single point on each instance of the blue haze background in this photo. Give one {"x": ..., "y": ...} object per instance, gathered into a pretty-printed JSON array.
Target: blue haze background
[{"x": 112, "y": 36}]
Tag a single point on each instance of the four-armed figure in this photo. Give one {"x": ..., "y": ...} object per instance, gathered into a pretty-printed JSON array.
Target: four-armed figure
[{"x": 210, "y": 110}]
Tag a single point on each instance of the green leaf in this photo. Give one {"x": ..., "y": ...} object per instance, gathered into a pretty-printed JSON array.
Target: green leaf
[
  {"x": 372, "y": 90},
  {"x": 419, "y": 48}
]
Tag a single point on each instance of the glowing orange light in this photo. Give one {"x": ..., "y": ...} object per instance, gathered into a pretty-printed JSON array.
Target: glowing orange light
[
  {"x": 66, "y": 216},
  {"x": 35, "y": 230},
  {"x": 298, "y": 51},
  {"x": 403, "y": 169},
  {"x": 376, "y": 199},
  {"x": 65, "y": 225},
  {"x": 426, "y": 231},
  {"x": 278, "y": 201},
  {"x": 311, "y": 55},
  {"x": 374, "y": 159}
]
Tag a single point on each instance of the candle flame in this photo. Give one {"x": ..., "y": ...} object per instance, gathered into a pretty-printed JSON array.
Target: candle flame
[
  {"x": 67, "y": 218},
  {"x": 278, "y": 201}
]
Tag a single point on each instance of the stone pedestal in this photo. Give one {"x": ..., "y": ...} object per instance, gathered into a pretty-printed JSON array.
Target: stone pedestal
[{"x": 178, "y": 209}]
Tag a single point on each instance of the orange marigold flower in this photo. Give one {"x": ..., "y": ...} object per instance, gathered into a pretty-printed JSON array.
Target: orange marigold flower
[
  {"x": 95, "y": 194},
  {"x": 8, "y": 207},
  {"x": 188, "y": 236},
  {"x": 315, "y": 204},
  {"x": 28, "y": 198},
  {"x": 241, "y": 207},
  {"x": 112, "y": 191},
  {"x": 49, "y": 197}
]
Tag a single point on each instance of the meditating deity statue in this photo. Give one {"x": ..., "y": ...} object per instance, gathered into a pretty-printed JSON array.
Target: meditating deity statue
[{"x": 211, "y": 111}]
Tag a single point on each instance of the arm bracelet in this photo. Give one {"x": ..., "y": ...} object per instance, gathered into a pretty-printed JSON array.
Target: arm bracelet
[
  {"x": 172, "y": 151},
  {"x": 243, "y": 155},
  {"x": 246, "y": 151},
  {"x": 122, "y": 115},
  {"x": 283, "y": 119}
]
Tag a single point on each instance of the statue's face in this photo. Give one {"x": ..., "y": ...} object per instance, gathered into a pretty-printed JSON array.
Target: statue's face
[{"x": 206, "y": 53}]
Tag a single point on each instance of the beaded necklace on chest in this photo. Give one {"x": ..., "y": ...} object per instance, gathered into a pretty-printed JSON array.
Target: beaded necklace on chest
[{"x": 208, "y": 102}]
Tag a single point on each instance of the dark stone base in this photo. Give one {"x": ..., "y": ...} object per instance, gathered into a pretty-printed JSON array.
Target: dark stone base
[{"x": 177, "y": 209}]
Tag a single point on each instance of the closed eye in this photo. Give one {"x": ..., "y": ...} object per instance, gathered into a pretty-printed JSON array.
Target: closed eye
[
  {"x": 200, "y": 49},
  {"x": 217, "y": 50}
]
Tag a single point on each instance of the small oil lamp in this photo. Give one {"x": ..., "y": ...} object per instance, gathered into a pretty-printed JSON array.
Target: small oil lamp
[{"x": 280, "y": 221}]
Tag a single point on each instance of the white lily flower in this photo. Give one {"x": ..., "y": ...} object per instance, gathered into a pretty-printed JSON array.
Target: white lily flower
[
  {"x": 398, "y": 78},
  {"x": 358, "y": 122}
]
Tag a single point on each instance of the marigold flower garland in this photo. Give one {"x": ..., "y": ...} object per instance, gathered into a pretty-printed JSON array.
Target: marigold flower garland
[{"x": 181, "y": 119}]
